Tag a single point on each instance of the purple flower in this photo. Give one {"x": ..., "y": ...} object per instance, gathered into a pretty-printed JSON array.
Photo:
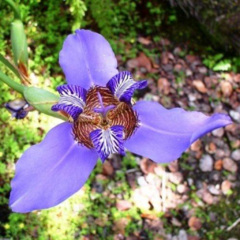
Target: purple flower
[{"x": 103, "y": 121}]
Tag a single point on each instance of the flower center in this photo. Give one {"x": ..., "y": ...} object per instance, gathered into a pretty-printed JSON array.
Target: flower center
[{"x": 102, "y": 111}]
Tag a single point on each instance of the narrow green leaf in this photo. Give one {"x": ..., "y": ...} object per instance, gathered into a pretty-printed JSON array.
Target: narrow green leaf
[
  {"x": 42, "y": 100},
  {"x": 9, "y": 65},
  {"x": 12, "y": 84},
  {"x": 15, "y": 8}
]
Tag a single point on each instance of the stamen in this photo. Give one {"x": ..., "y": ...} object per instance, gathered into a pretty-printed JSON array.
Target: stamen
[{"x": 103, "y": 110}]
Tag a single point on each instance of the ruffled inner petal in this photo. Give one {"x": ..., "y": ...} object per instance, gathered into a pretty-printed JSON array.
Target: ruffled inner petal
[
  {"x": 72, "y": 100},
  {"x": 123, "y": 86},
  {"x": 163, "y": 135},
  {"x": 108, "y": 141},
  {"x": 51, "y": 171}
]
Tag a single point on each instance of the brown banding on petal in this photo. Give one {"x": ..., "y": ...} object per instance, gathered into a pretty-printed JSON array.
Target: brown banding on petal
[{"x": 89, "y": 120}]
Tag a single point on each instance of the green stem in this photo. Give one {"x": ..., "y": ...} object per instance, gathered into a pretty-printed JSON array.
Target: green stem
[
  {"x": 12, "y": 84},
  {"x": 14, "y": 7},
  {"x": 9, "y": 65}
]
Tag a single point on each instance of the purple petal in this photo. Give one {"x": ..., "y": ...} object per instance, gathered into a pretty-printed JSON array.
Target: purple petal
[
  {"x": 72, "y": 100},
  {"x": 51, "y": 171},
  {"x": 123, "y": 86},
  {"x": 164, "y": 134},
  {"x": 108, "y": 141},
  {"x": 87, "y": 59}
]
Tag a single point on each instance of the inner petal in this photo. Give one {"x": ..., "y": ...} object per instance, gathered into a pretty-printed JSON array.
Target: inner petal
[
  {"x": 108, "y": 141},
  {"x": 123, "y": 86},
  {"x": 72, "y": 100}
]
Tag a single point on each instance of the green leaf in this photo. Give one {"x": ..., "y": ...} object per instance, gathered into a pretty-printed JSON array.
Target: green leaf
[
  {"x": 223, "y": 65},
  {"x": 42, "y": 100},
  {"x": 9, "y": 65},
  {"x": 12, "y": 84},
  {"x": 19, "y": 43}
]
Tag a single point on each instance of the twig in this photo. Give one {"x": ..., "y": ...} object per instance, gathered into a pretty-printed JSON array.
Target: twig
[{"x": 233, "y": 225}]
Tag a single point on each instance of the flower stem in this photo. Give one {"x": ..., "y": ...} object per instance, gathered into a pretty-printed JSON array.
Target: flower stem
[{"x": 12, "y": 84}]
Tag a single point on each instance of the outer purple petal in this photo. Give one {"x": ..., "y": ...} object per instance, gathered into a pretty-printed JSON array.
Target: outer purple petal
[
  {"x": 164, "y": 134},
  {"x": 87, "y": 59},
  {"x": 51, "y": 171}
]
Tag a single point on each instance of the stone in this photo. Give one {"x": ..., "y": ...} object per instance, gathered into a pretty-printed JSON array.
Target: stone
[
  {"x": 142, "y": 181},
  {"x": 235, "y": 115},
  {"x": 229, "y": 165},
  {"x": 206, "y": 163},
  {"x": 173, "y": 166},
  {"x": 236, "y": 155},
  {"x": 207, "y": 197},
  {"x": 181, "y": 188},
  {"x": 214, "y": 190},
  {"x": 123, "y": 205},
  {"x": 196, "y": 146},
  {"x": 218, "y": 132},
  {"x": 226, "y": 88},
  {"x": 225, "y": 186},
  {"x": 218, "y": 165},
  {"x": 175, "y": 177},
  {"x": 107, "y": 169},
  {"x": 147, "y": 166},
  {"x": 164, "y": 86},
  {"x": 194, "y": 223},
  {"x": 182, "y": 235},
  {"x": 199, "y": 85}
]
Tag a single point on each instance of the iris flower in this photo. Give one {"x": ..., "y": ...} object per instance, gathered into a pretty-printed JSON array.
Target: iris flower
[{"x": 102, "y": 121}]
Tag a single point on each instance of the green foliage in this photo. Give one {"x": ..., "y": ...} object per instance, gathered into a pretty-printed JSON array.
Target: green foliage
[{"x": 77, "y": 9}]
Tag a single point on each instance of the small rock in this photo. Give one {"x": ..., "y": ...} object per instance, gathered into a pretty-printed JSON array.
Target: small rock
[
  {"x": 214, "y": 190},
  {"x": 191, "y": 237},
  {"x": 123, "y": 205},
  {"x": 218, "y": 165},
  {"x": 190, "y": 181},
  {"x": 182, "y": 235},
  {"x": 236, "y": 155},
  {"x": 194, "y": 223},
  {"x": 235, "y": 115},
  {"x": 202, "y": 70},
  {"x": 192, "y": 97},
  {"x": 176, "y": 177},
  {"x": 219, "y": 154},
  {"x": 206, "y": 163},
  {"x": 144, "y": 41},
  {"x": 175, "y": 222},
  {"x": 226, "y": 88},
  {"x": 218, "y": 132},
  {"x": 142, "y": 181},
  {"x": 107, "y": 169},
  {"x": 226, "y": 186},
  {"x": 173, "y": 166},
  {"x": 199, "y": 85},
  {"x": 211, "y": 147},
  {"x": 147, "y": 166},
  {"x": 207, "y": 197},
  {"x": 164, "y": 58},
  {"x": 164, "y": 86},
  {"x": 181, "y": 188},
  {"x": 196, "y": 146},
  {"x": 229, "y": 165},
  {"x": 188, "y": 72},
  {"x": 159, "y": 170}
]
